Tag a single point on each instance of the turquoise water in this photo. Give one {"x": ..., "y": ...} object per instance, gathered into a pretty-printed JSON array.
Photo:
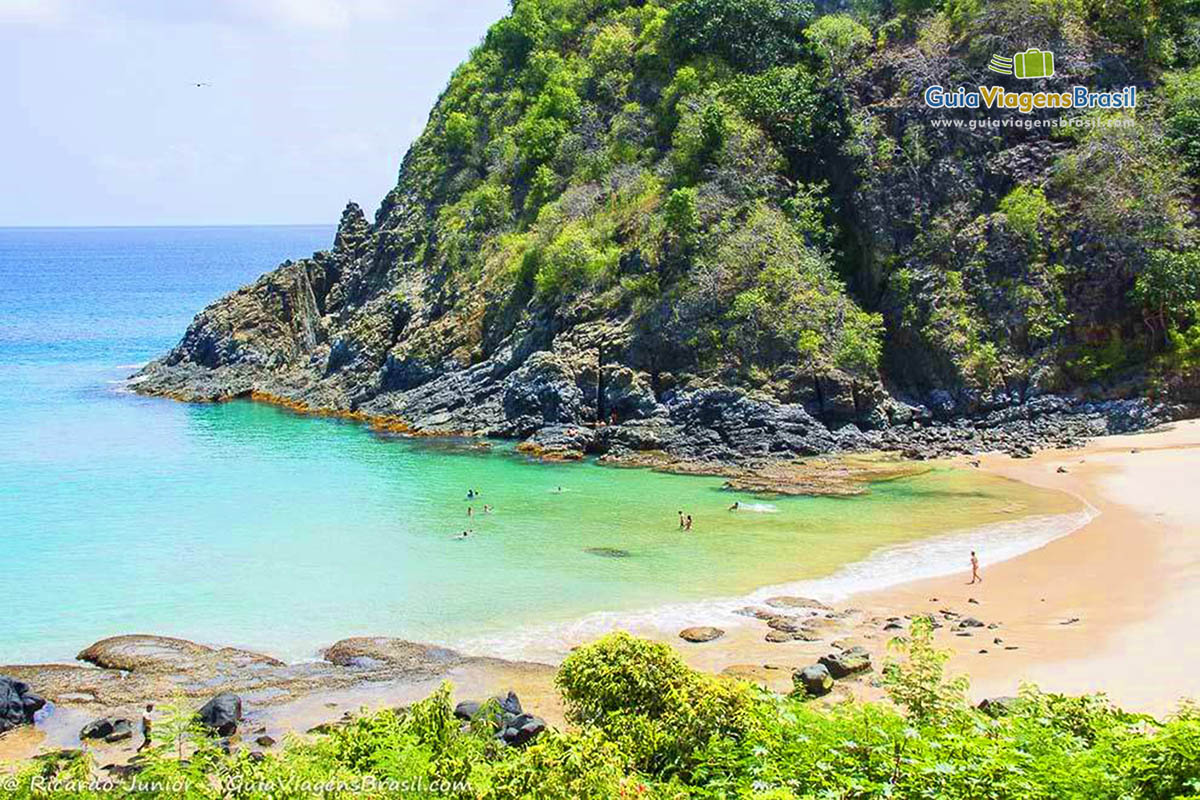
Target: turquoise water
[{"x": 243, "y": 524}]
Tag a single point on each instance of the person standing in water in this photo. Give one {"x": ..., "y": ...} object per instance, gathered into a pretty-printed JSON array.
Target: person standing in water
[
  {"x": 688, "y": 527},
  {"x": 975, "y": 576},
  {"x": 681, "y": 521}
]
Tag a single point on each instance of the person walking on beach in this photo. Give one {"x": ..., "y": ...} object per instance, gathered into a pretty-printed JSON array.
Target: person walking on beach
[
  {"x": 146, "y": 726},
  {"x": 975, "y": 576}
]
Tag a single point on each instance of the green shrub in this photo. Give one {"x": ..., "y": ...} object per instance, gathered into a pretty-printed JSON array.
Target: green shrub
[
  {"x": 748, "y": 34},
  {"x": 1026, "y": 210}
]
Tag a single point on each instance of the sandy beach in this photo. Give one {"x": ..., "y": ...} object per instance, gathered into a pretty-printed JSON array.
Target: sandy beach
[
  {"x": 1109, "y": 608},
  {"x": 1131, "y": 579}
]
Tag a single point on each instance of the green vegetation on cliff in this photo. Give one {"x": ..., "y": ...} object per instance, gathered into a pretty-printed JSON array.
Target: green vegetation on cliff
[
  {"x": 754, "y": 191},
  {"x": 647, "y": 726}
]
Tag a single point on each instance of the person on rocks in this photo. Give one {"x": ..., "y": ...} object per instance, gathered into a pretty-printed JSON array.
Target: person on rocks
[
  {"x": 147, "y": 724},
  {"x": 975, "y": 576}
]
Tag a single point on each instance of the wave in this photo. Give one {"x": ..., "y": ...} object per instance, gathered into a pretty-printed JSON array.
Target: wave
[
  {"x": 758, "y": 508},
  {"x": 927, "y": 558}
]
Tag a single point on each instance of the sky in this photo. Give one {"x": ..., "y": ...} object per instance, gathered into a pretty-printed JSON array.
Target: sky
[{"x": 306, "y": 104}]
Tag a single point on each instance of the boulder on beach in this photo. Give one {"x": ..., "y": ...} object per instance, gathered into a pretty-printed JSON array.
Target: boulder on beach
[
  {"x": 521, "y": 729},
  {"x": 370, "y": 651},
  {"x": 222, "y": 713},
  {"x": 161, "y": 654},
  {"x": 467, "y": 709},
  {"x": 18, "y": 704},
  {"x": 701, "y": 634},
  {"x": 814, "y": 680},
  {"x": 848, "y": 662},
  {"x": 117, "y": 728}
]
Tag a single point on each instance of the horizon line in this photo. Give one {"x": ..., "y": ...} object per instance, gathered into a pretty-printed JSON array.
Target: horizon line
[{"x": 173, "y": 225}]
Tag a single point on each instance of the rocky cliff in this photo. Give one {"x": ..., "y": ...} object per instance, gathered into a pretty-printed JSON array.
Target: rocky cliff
[{"x": 732, "y": 228}]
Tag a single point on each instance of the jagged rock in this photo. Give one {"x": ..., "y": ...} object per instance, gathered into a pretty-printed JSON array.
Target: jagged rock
[
  {"x": 222, "y": 713},
  {"x": 847, "y": 662},
  {"x": 521, "y": 729},
  {"x": 18, "y": 704},
  {"x": 969, "y": 622},
  {"x": 701, "y": 634},
  {"x": 814, "y": 680},
  {"x": 509, "y": 703}
]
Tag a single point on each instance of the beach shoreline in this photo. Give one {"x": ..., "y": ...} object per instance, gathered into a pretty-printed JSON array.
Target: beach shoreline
[{"x": 1102, "y": 607}]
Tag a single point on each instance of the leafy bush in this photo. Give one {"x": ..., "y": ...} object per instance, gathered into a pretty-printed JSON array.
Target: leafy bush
[
  {"x": 1026, "y": 210},
  {"x": 748, "y": 34}
]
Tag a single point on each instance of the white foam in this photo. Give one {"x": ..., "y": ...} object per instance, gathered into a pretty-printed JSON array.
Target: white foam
[
  {"x": 927, "y": 558},
  {"x": 758, "y": 508}
]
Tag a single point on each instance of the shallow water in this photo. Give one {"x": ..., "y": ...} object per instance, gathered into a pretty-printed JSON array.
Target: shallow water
[{"x": 244, "y": 524}]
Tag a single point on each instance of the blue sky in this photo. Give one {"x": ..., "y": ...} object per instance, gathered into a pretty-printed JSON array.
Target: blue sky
[{"x": 311, "y": 103}]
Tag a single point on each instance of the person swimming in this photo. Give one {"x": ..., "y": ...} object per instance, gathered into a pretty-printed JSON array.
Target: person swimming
[{"x": 735, "y": 506}]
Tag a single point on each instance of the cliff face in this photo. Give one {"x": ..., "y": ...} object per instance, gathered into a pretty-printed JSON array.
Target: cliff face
[{"x": 732, "y": 227}]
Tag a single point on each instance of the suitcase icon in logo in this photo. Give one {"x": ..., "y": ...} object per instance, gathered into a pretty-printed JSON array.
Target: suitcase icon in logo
[{"x": 1034, "y": 64}]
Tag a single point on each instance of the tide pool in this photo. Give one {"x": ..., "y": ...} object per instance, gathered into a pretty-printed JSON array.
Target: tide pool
[{"x": 244, "y": 524}]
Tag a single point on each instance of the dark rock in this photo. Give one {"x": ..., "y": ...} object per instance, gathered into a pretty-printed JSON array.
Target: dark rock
[
  {"x": 222, "y": 713},
  {"x": 509, "y": 703},
  {"x": 122, "y": 729},
  {"x": 521, "y": 729},
  {"x": 102, "y": 728},
  {"x": 18, "y": 704},
  {"x": 814, "y": 680},
  {"x": 607, "y": 552},
  {"x": 998, "y": 706},
  {"x": 265, "y": 741},
  {"x": 848, "y": 662},
  {"x": 969, "y": 622},
  {"x": 467, "y": 709},
  {"x": 701, "y": 634}
]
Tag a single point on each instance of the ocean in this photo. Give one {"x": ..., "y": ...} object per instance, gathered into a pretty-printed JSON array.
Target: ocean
[{"x": 243, "y": 524}]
